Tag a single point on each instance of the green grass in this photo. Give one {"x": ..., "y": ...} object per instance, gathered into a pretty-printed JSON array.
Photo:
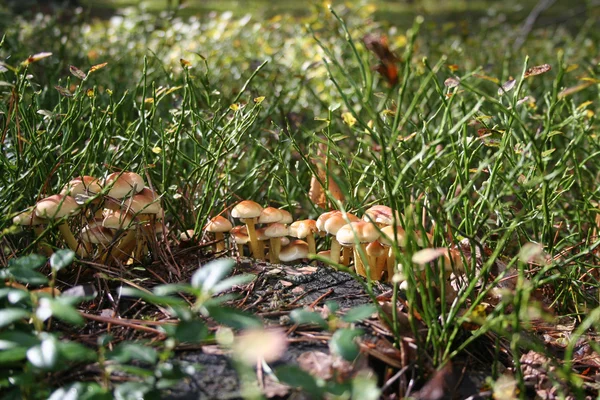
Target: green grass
[{"x": 499, "y": 170}]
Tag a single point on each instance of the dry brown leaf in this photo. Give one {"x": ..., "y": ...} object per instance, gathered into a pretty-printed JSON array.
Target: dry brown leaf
[
  {"x": 426, "y": 256},
  {"x": 452, "y": 82},
  {"x": 537, "y": 70}
]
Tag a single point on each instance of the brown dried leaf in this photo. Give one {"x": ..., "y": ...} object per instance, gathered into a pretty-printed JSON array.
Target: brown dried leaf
[
  {"x": 36, "y": 57},
  {"x": 507, "y": 86},
  {"x": 316, "y": 363},
  {"x": 77, "y": 72},
  {"x": 64, "y": 91},
  {"x": 426, "y": 256},
  {"x": 452, "y": 82},
  {"x": 97, "y": 67},
  {"x": 537, "y": 70}
]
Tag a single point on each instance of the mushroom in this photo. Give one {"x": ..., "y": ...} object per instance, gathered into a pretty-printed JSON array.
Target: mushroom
[
  {"x": 388, "y": 237},
  {"x": 381, "y": 215},
  {"x": 357, "y": 235},
  {"x": 305, "y": 228},
  {"x": 95, "y": 233},
  {"x": 219, "y": 225},
  {"x": 118, "y": 221},
  {"x": 377, "y": 261},
  {"x": 28, "y": 218},
  {"x": 296, "y": 250},
  {"x": 55, "y": 208},
  {"x": 123, "y": 184},
  {"x": 330, "y": 222},
  {"x": 248, "y": 211},
  {"x": 82, "y": 188},
  {"x": 274, "y": 232},
  {"x": 269, "y": 215},
  {"x": 240, "y": 237}
]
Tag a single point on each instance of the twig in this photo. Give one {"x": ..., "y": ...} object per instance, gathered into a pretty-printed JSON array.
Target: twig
[{"x": 122, "y": 322}]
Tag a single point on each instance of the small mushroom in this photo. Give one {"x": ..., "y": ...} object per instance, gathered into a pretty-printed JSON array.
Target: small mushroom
[
  {"x": 248, "y": 212},
  {"x": 240, "y": 237},
  {"x": 296, "y": 250},
  {"x": 357, "y": 235},
  {"x": 55, "y": 208},
  {"x": 28, "y": 218},
  {"x": 330, "y": 222},
  {"x": 219, "y": 225},
  {"x": 123, "y": 184},
  {"x": 274, "y": 232},
  {"x": 305, "y": 229}
]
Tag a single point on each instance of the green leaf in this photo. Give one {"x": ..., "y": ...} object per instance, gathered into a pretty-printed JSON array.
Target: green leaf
[
  {"x": 152, "y": 298},
  {"x": 10, "y": 356},
  {"x": 45, "y": 355},
  {"x": 10, "y": 315},
  {"x": 343, "y": 343},
  {"x": 76, "y": 352},
  {"x": 212, "y": 273},
  {"x": 359, "y": 313},
  {"x": 135, "y": 390},
  {"x": 32, "y": 261},
  {"x": 364, "y": 387},
  {"x": 164, "y": 290},
  {"x": 233, "y": 317},
  {"x": 233, "y": 281},
  {"x": 298, "y": 378},
  {"x": 302, "y": 316},
  {"x": 60, "y": 308},
  {"x": 190, "y": 331},
  {"x": 61, "y": 259},
  {"x": 81, "y": 391},
  {"x": 16, "y": 338},
  {"x": 126, "y": 352},
  {"x": 25, "y": 275}
]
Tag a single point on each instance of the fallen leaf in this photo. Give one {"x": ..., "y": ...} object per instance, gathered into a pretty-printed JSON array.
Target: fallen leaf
[
  {"x": 451, "y": 82},
  {"x": 537, "y": 70},
  {"x": 507, "y": 86}
]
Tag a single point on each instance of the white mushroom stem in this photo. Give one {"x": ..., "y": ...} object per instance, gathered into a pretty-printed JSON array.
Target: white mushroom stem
[
  {"x": 274, "y": 250},
  {"x": 359, "y": 266},
  {"x": 250, "y": 222},
  {"x": 336, "y": 247},
  {"x": 70, "y": 239}
]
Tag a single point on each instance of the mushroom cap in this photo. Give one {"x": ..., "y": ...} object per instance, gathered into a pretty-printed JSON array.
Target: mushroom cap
[
  {"x": 388, "y": 237},
  {"x": 145, "y": 202},
  {"x": 260, "y": 233},
  {"x": 381, "y": 214},
  {"x": 332, "y": 221},
  {"x": 117, "y": 219},
  {"x": 246, "y": 209},
  {"x": 365, "y": 232},
  {"x": 375, "y": 249},
  {"x": 286, "y": 216},
  {"x": 285, "y": 240},
  {"x": 186, "y": 235},
  {"x": 218, "y": 224},
  {"x": 303, "y": 228},
  {"x": 82, "y": 185},
  {"x": 240, "y": 234},
  {"x": 276, "y": 230},
  {"x": 270, "y": 215},
  {"x": 56, "y": 206},
  {"x": 124, "y": 184},
  {"x": 28, "y": 218},
  {"x": 296, "y": 250},
  {"x": 95, "y": 233}
]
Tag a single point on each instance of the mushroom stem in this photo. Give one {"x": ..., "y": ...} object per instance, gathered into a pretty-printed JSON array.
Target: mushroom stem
[
  {"x": 240, "y": 249},
  {"x": 390, "y": 261},
  {"x": 312, "y": 246},
  {"x": 125, "y": 246},
  {"x": 336, "y": 247},
  {"x": 373, "y": 269},
  {"x": 274, "y": 250},
  {"x": 70, "y": 239},
  {"x": 250, "y": 222},
  {"x": 220, "y": 239},
  {"x": 346, "y": 255},
  {"x": 359, "y": 266}
]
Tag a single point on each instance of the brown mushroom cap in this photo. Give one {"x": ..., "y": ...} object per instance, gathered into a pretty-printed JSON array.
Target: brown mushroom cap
[
  {"x": 117, "y": 219},
  {"x": 365, "y": 232},
  {"x": 82, "y": 185},
  {"x": 276, "y": 230},
  {"x": 95, "y": 233},
  {"x": 303, "y": 228},
  {"x": 240, "y": 234},
  {"x": 246, "y": 209},
  {"x": 388, "y": 237},
  {"x": 296, "y": 250},
  {"x": 56, "y": 206},
  {"x": 219, "y": 224},
  {"x": 332, "y": 222},
  {"x": 28, "y": 218},
  {"x": 145, "y": 202},
  {"x": 375, "y": 249},
  {"x": 124, "y": 184},
  {"x": 269, "y": 215},
  {"x": 381, "y": 214},
  {"x": 286, "y": 216}
]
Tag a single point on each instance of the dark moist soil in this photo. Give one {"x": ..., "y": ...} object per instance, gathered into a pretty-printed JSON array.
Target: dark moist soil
[{"x": 277, "y": 291}]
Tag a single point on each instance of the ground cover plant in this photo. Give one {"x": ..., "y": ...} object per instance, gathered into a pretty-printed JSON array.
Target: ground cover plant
[{"x": 485, "y": 152}]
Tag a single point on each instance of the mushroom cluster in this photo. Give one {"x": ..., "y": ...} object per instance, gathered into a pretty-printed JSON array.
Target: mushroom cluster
[
  {"x": 111, "y": 220},
  {"x": 368, "y": 242}
]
